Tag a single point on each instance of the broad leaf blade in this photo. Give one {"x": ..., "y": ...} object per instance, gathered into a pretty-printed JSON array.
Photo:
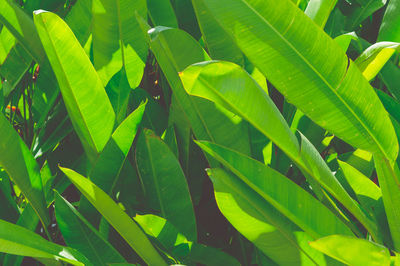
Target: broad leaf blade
[
  {"x": 388, "y": 176},
  {"x": 108, "y": 166},
  {"x": 319, "y": 11},
  {"x": 219, "y": 44},
  {"x": 165, "y": 183},
  {"x": 289, "y": 49},
  {"x": 22, "y": 168},
  {"x": 23, "y": 29},
  {"x": 124, "y": 225},
  {"x": 260, "y": 223},
  {"x": 353, "y": 251},
  {"x": 229, "y": 86},
  {"x": 18, "y": 240},
  {"x": 176, "y": 244},
  {"x": 175, "y": 50},
  {"x": 118, "y": 40},
  {"x": 372, "y": 60},
  {"x": 390, "y": 27},
  {"x": 86, "y": 101},
  {"x": 161, "y": 13},
  {"x": 301, "y": 208},
  {"x": 79, "y": 234}
]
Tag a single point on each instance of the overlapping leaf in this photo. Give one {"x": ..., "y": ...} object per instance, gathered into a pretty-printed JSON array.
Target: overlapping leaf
[
  {"x": 84, "y": 96},
  {"x": 309, "y": 69}
]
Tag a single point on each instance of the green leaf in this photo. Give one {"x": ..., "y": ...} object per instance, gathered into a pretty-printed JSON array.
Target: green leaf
[
  {"x": 23, "y": 29},
  {"x": 290, "y": 49},
  {"x": 177, "y": 244},
  {"x": 29, "y": 220},
  {"x": 161, "y": 13},
  {"x": 84, "y": 96},
  {"x": 388, "y": 176},
  {"x": 390, "y": 26},
  {"x": 124, "y": 225},
  {"x": 14, "y": 67},
  {"x": 261, "y": 223},
  {"x": 82, "y": 236},
  {"x": 228, "y": 85},
  {"x": 118, "y": 90},
  {"x": 7, "y": 42},
  {"x": 108, "y": 166},
  {"x": 219, "y": 44},
  {"x": 169, "y": 137},
  {"x": 319, "y": 11},
  {"x": 186, "y": 17},
  {"x": 79, "y": 19},
  {"x": 372, "y": 60},
  {"x": 232, "y": 88},
  {"x": 353, "y": 251},
  {"x": 175, "y": 50},
  {"x": 364, "y": 9},
  {"x": 22, "y": 168},
  {"x": 118, "y": 40},
  {"x": 345, "y": 39},
  {"x": 301, "y": 208},
  {"x": 165, "y": 184},
  {"x": 390, "y": 75},
  {"x": 368, "y": 194},
  {"x": 9, "y": 210},
  {"x": 18, "y": 240}
]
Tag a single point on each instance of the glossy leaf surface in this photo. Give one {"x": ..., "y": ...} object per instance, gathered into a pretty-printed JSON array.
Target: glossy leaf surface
[
  {"x": 124, "y": 225},
  {"x": 289, "y": 49},
  {"x": 165, "y": 184},
  {"x": 86, "y": 101}
]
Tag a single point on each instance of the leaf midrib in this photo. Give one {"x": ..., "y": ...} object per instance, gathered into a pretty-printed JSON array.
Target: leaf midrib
[
  {"x": 321, "y": 77},
  {"x": 70, "y": 88},
  {"x": 245, "y": 197}
]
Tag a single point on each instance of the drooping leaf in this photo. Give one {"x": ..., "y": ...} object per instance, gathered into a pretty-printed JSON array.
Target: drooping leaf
[
  {"x": 260, "y": 223},
  {"x": 110, "y": 210},
  {"x": 18, "y": 240},
  {"x": 165, "y": 184},
  {"x": 371, "y": 61},
  {"x": 229, "y": 86},
  {"x": 301, "y": 208},
  {"x": 29, "y": 220},
  {"x": 84, "y": 96},
  {"x": 289, "y": 49}
]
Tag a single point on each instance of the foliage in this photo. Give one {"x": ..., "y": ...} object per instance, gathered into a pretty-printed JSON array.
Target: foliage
[{"x": 229, "y": 132}]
